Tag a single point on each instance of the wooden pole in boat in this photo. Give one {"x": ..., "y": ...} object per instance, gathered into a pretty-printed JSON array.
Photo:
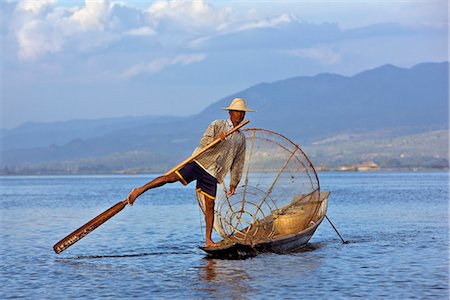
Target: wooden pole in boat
[
  {"x": 343, "y": 242},
  {"x": 90, "y": 226}
]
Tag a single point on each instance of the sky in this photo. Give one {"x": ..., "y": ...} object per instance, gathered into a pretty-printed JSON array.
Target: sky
[{"x": 63, "y": 60}]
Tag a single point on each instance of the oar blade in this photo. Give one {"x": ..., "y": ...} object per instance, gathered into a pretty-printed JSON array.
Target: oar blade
[{"x": 87, "y": 228}]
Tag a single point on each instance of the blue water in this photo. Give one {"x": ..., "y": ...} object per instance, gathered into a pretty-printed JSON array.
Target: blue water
[{"x": 397, "y": 225}]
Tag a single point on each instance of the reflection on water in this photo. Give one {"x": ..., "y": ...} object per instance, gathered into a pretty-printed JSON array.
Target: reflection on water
[
  {"x": 216, "y": 271},
  {"x": 209, "y": 270},
  {"x": 265, "y": 274},
  {"x": 224, "y": 278}
]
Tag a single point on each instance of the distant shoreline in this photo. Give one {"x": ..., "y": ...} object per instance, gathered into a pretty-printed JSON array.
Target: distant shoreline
[{"x": 383, "y": 170}]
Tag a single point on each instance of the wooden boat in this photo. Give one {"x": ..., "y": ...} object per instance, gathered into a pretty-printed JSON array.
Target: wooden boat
[{"x": 291, "y": 227}]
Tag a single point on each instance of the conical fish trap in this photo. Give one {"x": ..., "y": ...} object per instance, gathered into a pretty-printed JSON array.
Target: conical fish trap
[{"x": 276, "y": 195}]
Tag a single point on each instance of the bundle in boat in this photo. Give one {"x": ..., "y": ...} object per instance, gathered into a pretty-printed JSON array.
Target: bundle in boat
[
  {"x": 290, "y": 221},
  {"x": 300, "y": 214}
]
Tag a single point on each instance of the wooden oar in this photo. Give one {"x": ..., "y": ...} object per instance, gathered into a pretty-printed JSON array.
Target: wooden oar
[{"x": 112, "y": 211}]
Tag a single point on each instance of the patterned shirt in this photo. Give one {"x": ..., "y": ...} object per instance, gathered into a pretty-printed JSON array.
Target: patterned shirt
[{"x": 228, "y": 155}]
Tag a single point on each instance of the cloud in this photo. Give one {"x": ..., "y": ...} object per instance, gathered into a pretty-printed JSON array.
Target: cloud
[
  {"x": 93, "y": 15},
  {"x": 276, "y": 21},
  {"x": 190, "y": 15},
  {"x": 46, "y": 28},
  {"x": 35, "y": 7},
  {"x": 275, "y": 37},
  {"x": 321, "y": 54},
  {"x": 35, "y": 39},
  {"x": 142, "y": 31},
  {"x": 244, "y": 25},
  {"x": 161, "y": 63},
  {"x": 43, "y": 28}
]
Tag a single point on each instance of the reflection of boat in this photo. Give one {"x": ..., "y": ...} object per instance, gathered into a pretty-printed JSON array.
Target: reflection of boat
[{"x": 286, "y": 229}]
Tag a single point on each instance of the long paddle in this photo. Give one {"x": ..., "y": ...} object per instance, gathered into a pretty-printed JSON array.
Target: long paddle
[{"x": 90, "y": 226}]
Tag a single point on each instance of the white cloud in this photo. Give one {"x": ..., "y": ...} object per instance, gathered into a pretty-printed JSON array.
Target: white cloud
[
  {"x": 190, "y": 15},
  {"x": 42, "y": 28},
  {"x": 158, "y": 64},
  {"x": 93, "y": 14},
  {"x": 34, "y": 41},
  {"x": 243, "y": 24},
  {"x": 46, "y": 27},
  {"x": 268, "y": 23},
  {"x": 35, "y": 7},
  {"x": 321, "y": 54},
  {"x": 142, "y": 31}
]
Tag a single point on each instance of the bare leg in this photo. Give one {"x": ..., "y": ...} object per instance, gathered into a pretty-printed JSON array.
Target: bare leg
[
  {"x": 157, "y": 182},
  {"x": 209, "y": 220}
]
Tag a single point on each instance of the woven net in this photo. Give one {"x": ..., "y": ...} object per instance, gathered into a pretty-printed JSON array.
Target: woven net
[{"x": 277, "y": 176}]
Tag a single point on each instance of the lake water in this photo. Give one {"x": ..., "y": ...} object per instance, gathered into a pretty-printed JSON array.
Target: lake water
[{"x": 396, "y": 223}]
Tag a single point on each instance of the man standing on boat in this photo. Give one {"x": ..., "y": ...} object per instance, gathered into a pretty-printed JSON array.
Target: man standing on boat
[{"x": 211, "y": 167}]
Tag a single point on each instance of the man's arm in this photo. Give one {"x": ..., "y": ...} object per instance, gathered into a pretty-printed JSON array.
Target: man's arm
[
  {"x": 209, "y": 135},
  {"x": 236, "y": 169}
]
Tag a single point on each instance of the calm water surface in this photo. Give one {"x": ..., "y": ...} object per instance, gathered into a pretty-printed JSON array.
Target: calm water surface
[{"x": 397, "y": 225}]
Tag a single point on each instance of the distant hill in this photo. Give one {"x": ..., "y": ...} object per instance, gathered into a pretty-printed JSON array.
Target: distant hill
[
  {"x": 384, "y": 103},
  {"x": 36, "y": 134},
  {"x": 421, "y": 151},
  {"x": 403, "y": 101}
]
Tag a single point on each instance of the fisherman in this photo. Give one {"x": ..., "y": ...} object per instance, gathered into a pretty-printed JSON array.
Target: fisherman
[{"x": 210, "y": 167}]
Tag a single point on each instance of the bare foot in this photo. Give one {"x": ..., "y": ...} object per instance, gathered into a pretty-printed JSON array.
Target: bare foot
[{"x": 211, "y": 244}]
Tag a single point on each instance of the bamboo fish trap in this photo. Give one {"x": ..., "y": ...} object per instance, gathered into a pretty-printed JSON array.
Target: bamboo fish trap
[{"x": 279, "y": 193}]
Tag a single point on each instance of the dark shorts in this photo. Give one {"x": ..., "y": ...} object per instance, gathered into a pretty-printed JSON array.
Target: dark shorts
[{"x": 206, "y": 183}]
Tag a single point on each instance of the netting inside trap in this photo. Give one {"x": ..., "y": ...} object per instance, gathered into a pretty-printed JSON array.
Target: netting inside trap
[{"x": 277, "y": 174}]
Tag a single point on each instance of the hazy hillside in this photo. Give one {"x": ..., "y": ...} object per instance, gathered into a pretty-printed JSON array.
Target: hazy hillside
[
  {"x": 317, "y": 112},
  {"x": 418, "y": 151},
  {"x": 403, "y": 101},
  {"x": 34, "y": 134}
]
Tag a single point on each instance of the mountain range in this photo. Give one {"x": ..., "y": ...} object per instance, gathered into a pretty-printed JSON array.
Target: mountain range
[{"x": 335, "y": 117}]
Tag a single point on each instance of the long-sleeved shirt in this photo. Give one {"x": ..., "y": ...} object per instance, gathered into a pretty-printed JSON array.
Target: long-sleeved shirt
[{"x": 228, "y": 155}]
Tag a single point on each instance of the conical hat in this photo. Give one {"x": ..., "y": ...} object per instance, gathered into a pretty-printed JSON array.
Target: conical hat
[{"x": 238, "y": 104}]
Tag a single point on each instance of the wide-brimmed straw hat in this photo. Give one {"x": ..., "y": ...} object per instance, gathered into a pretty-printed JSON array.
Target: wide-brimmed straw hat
[{"x": 238, "y": 104}]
